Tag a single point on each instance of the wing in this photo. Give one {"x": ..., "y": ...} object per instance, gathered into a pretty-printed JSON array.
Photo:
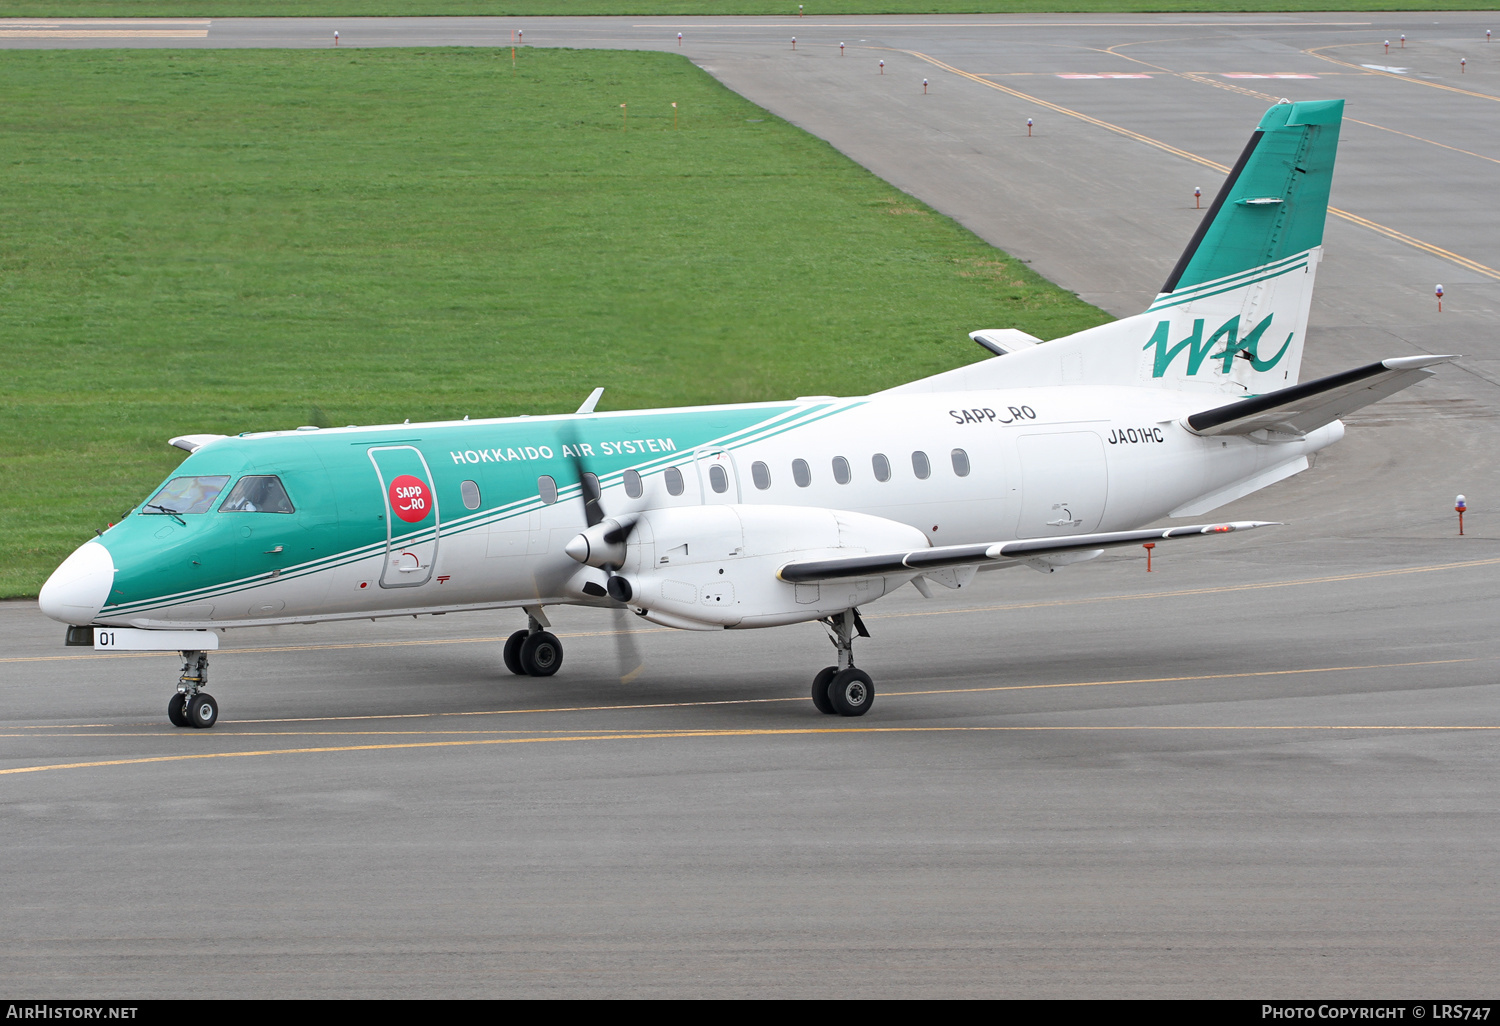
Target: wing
[
  {"x": 1302, "y": 408},
  {"x": 940, "y": 557}
]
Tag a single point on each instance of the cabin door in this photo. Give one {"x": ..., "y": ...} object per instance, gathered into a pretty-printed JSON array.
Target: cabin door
[
  {"x": 411, "y": 516},
  {"x": 716, "y": 477}
]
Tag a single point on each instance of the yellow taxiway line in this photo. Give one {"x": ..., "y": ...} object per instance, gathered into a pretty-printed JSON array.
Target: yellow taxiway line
[
  {"x": 1006, "y": 607},
  {"x": 1363, "y": 222},
  {"x": 658, "y": 735}
]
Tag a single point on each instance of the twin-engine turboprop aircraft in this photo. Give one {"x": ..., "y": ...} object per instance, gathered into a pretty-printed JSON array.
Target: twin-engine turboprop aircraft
[{"x": 764, "y": 514}]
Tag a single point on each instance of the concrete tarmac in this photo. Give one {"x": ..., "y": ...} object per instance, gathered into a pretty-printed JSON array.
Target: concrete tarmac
[{"x": 1266, "y": 770}]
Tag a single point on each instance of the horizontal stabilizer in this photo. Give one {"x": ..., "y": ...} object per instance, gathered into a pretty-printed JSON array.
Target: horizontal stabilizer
[
  {"x": 940, "y": 557},
  {"x": 1002, "y": 341},
  {"x": 1308, "y": 406}
]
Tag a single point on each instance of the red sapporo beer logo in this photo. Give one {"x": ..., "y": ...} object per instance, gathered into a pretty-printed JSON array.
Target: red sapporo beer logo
[{"x": 410, "y": 498}]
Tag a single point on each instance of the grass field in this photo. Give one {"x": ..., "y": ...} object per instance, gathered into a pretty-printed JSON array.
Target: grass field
[
  {"x": 537, "y": 8},
  {"x": 219, "y": 241}
]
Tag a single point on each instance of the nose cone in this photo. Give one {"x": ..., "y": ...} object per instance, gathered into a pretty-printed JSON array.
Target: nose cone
[{"x": 77, "y": 590}]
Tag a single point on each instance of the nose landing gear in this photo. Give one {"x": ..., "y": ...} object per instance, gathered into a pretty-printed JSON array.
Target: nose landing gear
[
  {"x": 192, "y": 706},
  {"x": 844, "y": 689}
]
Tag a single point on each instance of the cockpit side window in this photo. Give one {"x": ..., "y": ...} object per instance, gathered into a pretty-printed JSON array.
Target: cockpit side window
[
  {"x": 257, "y": 494},
  {"x": 186, "y": 495}
]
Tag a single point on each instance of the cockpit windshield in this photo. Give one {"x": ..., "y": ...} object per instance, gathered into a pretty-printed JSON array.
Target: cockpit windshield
[
  {"x": 186, "y": 495},
  {"x": 260, "y": 493}
]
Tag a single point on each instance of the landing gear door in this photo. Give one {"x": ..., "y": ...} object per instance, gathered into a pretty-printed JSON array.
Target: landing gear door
[
  {"x": 716, "y": 476},
  {"x": 411, "y": 516}
]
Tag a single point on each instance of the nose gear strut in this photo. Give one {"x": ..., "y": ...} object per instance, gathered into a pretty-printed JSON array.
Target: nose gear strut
[{"x": 192, "y": 706}]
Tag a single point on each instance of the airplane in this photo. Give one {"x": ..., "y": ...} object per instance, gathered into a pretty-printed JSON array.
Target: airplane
[{"x": 765, "y": 514}]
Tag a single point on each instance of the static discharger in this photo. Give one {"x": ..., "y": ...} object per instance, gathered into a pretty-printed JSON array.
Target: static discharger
[
  {"x": 1459, "y": 505},
  {"x": 1439, "y": 293},
  {"x": 1148, "y": 547}
]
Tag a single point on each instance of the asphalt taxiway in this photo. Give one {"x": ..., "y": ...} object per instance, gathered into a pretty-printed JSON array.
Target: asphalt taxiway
[{"x": 1266, "y": 769}]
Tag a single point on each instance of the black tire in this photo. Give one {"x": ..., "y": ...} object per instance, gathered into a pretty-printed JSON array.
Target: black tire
[
  {"x": 175, "y": 712},
  {"x": 513, "y": 653},
  {"x": 820, "y": 690},
  {"x": 541, "y": 654},
  {"x": 852, "y": 692},
  {"x": 202, "y": 711}
]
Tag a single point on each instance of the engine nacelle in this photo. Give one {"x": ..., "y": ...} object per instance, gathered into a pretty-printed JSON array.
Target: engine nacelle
[{"x": 699, "y": 567}]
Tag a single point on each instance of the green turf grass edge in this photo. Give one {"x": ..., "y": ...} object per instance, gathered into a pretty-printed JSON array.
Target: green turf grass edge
[{"x": 231, "y": 240}]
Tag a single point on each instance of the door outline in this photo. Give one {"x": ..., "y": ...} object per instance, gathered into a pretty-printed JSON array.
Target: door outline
[
  {"x": 385, "y": 498},
  {"x": 706, "y": 495}
]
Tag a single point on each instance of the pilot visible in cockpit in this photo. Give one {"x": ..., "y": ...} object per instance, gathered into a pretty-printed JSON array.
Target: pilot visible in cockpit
[{"x": 257, "y": 494}]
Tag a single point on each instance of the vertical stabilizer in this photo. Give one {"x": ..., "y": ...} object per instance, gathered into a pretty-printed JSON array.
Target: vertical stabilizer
[
  {"x": 1232, "y": 315},
  {"x": 1235, "y": 306}
]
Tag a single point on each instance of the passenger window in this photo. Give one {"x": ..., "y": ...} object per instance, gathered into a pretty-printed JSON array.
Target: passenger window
[
  {"x": 960, "y": 463},
  {"x": 674, "y": 480},
  {"x": 801, "y": 473},
  {"x": 547, "y": 489},
  {"x": 186, "y": 495},
  {"x": 633, "y": 486},
  {"x": 469, "y": 490},
  {"x": 761, "y": 475},
  {"x": 841, "y": 470},
  {"x": 882, "y": 466},
  {"x": 920, "y": 466},
  {"x": 257, "y": 494},
  {"x": 717, "y": 479}
]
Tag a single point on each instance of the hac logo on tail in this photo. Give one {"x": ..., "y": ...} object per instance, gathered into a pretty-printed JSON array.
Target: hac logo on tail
[{"x": 1197, "y": 348}]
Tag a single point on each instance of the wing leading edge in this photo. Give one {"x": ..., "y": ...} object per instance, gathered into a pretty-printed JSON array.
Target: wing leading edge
[{"x": 942, "y": 557}]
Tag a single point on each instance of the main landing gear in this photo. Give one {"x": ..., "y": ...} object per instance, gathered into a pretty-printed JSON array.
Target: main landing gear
[
  {"x": 534, "y": 652},
  {"x": 844, "y": 689},
  {"x": 192, "y": 706}
]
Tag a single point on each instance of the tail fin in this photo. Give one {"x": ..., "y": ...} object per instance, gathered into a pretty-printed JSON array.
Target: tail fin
[
  {"x": 1233, "y": 313},
  {"x": 1236, "y": 303}
]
